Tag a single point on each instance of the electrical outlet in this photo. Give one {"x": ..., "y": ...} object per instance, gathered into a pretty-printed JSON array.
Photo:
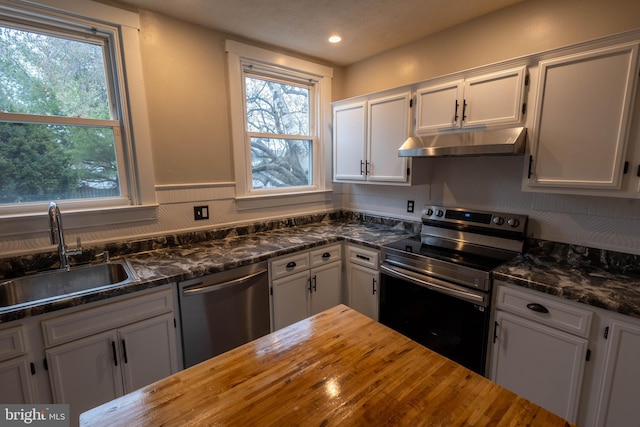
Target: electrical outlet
[
  {"x": 410, "y": 205},
  {"x": 200, "y": 212}
]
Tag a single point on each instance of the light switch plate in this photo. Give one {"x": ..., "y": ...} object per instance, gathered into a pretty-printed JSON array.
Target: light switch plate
[{"x": 200, "y": 212}]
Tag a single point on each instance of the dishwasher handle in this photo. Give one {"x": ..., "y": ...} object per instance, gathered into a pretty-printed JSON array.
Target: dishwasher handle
[{"x": 201, "y": 288}]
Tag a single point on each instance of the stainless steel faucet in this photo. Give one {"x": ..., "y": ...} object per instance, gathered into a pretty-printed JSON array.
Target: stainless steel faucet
[{"x": 57, "y": 236}]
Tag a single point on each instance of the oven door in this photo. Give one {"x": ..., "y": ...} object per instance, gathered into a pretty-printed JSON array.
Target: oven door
[{"x": 448, "y": 319}]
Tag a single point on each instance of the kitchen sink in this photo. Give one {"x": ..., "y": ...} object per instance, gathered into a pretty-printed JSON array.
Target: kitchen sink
[{"x": 49, "y": 285}]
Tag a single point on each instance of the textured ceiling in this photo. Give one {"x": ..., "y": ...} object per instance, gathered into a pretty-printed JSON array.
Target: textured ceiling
[{"x": 367, "y": 27}]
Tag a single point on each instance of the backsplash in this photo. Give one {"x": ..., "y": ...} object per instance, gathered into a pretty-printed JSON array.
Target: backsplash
[
  {"x": 21, "y": 265},
  {"x": 622, "y": 263}
]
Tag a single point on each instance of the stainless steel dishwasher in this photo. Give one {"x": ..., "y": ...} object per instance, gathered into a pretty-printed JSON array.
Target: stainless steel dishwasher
[{"x": 223, "y": 310}]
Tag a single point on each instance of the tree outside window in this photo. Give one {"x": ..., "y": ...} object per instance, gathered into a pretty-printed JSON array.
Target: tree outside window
[
  {"x": 57, "y": 133},
  {"x": 279, "y": 128}
]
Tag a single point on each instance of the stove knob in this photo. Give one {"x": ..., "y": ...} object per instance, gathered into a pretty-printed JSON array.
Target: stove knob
[
  {"x": 498, "y": 220},
  {"x": 439, "y": 212},
  {"x": 428, "y": 212},
  {"x": 513, "y": 222}
]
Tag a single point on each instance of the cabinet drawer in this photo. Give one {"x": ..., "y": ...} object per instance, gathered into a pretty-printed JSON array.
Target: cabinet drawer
[
  {"x": 365, "y": 257},
  {"x": 545, "y": 310},
  {"x": 11, "y": 343},
  {"x": 93, "y": 320},
  {"x": 325, "y": 255},
  {"x": 289, "y": 265}
]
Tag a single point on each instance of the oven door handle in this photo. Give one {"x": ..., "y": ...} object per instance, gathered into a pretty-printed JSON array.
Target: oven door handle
[{"x": 435, "y": 284}]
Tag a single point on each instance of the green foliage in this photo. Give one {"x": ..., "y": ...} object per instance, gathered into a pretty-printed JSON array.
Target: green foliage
[
  {"x": 47, "y": 76},
  {"x": 32, "y": 165}
]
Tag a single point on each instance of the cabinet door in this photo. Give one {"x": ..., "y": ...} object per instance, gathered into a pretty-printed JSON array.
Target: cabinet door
[
  {"x": 86, "y": 372},
  {"x": 582, "y": 118},
  {"x": 363, "y": 290},
  {"x": 326, "y": 287},
  {"x": 619, "y": 403},
  {"x": 290, "y": 303},
  {"x": 539, "y": 363},
  {"x": 147, "y": 351},
  {"x": 349, "y": 141},
  {"x": 388, "y": 129},
  {"x": 439, "y": 106},
  {"x": 16, "y": 385},
  {"x": 494, "y": 99}
]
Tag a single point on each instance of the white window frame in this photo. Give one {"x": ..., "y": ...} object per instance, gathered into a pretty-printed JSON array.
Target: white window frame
[
  {"x": 138, "y": 199},
  {"x": 239, "y": 56}
]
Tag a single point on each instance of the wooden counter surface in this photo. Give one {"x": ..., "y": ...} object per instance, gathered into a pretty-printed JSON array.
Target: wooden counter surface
[{"x": 338, "y": 368}]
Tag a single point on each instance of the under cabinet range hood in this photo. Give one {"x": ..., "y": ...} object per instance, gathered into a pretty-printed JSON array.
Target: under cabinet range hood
[{"x": 476, "y": 143}]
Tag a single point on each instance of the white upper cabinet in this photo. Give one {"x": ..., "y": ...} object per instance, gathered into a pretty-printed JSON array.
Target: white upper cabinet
[
  {"x": 388, "y": 128},
  {"x": 439, "y": 106},
  {"x": 486, "y": 100},
  {"x": 582, "y": 122},
  {"x": 366, "y": 137},
  {"x": 349, "y": 141}
]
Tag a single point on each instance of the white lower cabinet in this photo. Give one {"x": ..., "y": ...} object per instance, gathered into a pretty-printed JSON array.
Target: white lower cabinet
[
  {"x": 618, "y": 402},
  {"x": 363, "y": 280},
  {"x": 305, "y": 284},
  {"x": 540, "y": 349},
  {"x": 98, "y": 354},
  {"x": 15, "y": 368},
  {"x": 16, "y": 384},
  {"x": 578, "y": 361},
  {"x": 85, "y": 373}
]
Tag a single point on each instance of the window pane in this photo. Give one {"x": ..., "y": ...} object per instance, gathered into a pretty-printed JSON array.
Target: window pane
[
  {"x": 46, "y": 75},
  {"x": 54, "y": 162},
  {"x": 278, "y": 108},
  {"x": 281, "y": 162}
]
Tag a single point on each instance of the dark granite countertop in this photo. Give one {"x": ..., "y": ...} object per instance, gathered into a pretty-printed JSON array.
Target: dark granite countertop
[
  {"x": 187, "y": 261},
  {"x": 599, "y": 278}
]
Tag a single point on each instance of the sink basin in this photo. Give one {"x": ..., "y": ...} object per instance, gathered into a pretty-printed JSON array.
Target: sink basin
[{"x": 55, "y": 284}]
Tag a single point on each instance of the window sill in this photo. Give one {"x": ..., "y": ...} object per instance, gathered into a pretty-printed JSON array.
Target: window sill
[
  {"x": 282, "y": 199},
  {"x": 75, "y": 219}
]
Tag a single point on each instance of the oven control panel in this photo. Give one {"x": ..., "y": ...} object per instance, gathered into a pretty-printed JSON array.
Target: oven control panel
[{"x": 460, "y": 217}]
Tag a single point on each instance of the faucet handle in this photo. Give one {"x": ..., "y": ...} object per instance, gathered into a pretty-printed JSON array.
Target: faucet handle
[
  {"x": 105, "y": 257},
  {"x": 77, "y": 250}
]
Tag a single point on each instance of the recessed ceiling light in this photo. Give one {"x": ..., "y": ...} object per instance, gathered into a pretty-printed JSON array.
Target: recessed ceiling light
[{"x": 335, "y": 39}]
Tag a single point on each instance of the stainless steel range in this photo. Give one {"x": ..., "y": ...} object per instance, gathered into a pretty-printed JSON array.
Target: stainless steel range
[{"x": 435, "y": 288}]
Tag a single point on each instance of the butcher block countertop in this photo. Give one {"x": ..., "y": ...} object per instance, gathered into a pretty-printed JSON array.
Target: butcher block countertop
[{"x": 337, "y": 368}]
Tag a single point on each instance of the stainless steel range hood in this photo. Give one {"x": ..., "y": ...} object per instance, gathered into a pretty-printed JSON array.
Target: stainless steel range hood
[{"x": 476, "y": 143}]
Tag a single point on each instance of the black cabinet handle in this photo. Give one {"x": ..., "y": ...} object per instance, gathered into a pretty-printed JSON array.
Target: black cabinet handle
[
  {"x": 495, "y": 331},
  {"x": 326, "y": 255},
  {"x": 537, "y": 307},
  {"x": 464, "y": 110},
  {"x": 124, "y": 351},
  {"x": 33, "y": 368},
  {"x": 455, "y": 114},
  {"x": 291, "y": 264},
  {"x": 315, "y": 283},
  {"x": 366, "y": 258},
  {"x": 115, "y": 354},
  {"x": 373, "y": 286}
]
